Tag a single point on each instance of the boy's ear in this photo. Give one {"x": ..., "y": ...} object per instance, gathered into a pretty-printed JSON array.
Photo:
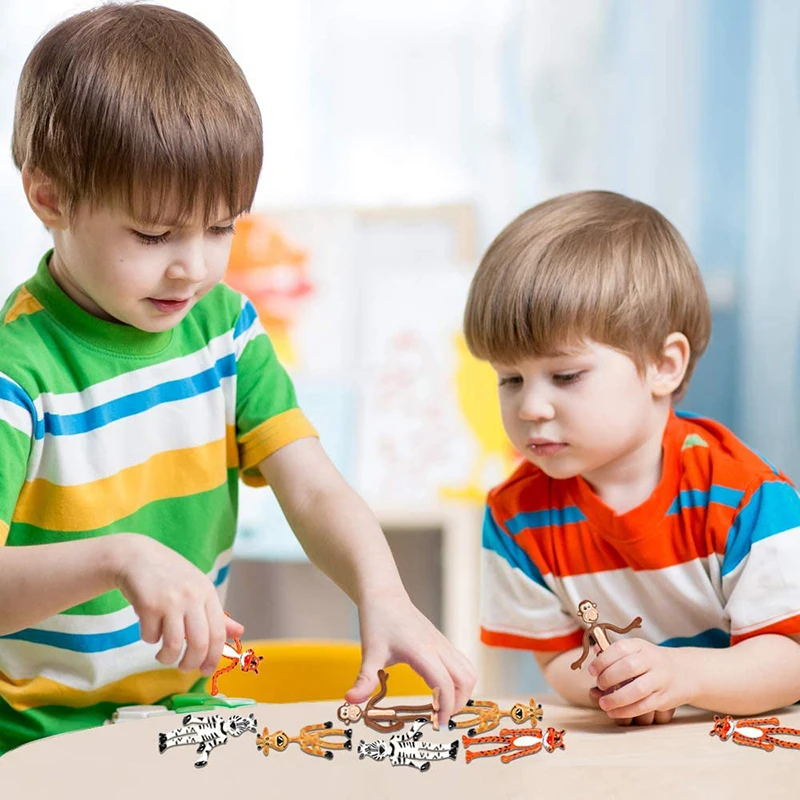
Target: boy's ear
[
  {"x": 668, "y": 372},
  {"x": 43, "y": 198}
]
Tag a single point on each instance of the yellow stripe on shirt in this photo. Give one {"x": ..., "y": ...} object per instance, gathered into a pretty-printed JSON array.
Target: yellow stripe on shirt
[
  {"x": 269, "y": 437},
  {"x": 84, "y": 507},
  {"x": 144, "y": 688},
  {"x": 24, "y": 303}
]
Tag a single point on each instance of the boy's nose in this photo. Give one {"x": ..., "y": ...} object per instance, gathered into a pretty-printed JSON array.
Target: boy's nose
[
  {"x": 536, "y": 407},
  {"x": 190, "y": 268}
]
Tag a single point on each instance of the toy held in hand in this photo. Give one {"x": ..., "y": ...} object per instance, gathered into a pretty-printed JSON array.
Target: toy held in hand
[
  {"x": 596, "y": 632},
  {"x": 392, "y": 718},
  {"x": 237, "y": 656}
]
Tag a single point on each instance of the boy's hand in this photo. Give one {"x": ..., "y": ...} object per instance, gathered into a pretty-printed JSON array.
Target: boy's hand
[
  {"x": 394, "y": 631},
  {"x": 175, "y": 602},
  {"x": 638, "y": 681}
]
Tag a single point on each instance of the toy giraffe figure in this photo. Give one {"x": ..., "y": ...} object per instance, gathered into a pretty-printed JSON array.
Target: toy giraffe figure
[
  {"x": 247, "y": 660},
  {"x": 755, "y": 732},
  {"x": 515, "y": 743},
  {"x": 312, "y": 740},
  {"x": 486, "y": 715}
]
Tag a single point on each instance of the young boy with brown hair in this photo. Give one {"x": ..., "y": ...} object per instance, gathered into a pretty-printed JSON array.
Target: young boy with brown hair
[
  {"x": 135, "y": 390},
  {"x": 593, "y": 313}
]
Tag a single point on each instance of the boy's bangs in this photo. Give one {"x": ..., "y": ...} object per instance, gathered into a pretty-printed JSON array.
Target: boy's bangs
[{"x": 186, "y": 176}]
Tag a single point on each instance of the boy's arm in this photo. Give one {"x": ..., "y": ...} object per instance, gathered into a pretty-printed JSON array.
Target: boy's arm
[
  {"x": 343, "y": 538},
  {"x": 39, "y": 581},
  {"x": 752, "y": 677},
  {"x": 335, "y": 527},
  {"x": 572, "y": 685}
]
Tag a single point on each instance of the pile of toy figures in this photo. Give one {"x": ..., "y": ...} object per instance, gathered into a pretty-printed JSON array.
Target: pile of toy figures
[{"x": 405, "y": 747}]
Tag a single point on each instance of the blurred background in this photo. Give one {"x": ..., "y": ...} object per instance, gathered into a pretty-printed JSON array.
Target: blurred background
[{"x": 400, "y": 138}]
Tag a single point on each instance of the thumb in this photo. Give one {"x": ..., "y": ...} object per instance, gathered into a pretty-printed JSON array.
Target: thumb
[{"x": 366, "y": 681}]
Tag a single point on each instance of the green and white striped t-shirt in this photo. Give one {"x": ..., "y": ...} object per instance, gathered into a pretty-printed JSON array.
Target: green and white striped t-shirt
[{"x": 105, "y": 428}]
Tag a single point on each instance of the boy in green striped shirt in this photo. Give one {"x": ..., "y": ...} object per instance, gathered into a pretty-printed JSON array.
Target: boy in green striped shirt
[{"x": 136, "y": 389}]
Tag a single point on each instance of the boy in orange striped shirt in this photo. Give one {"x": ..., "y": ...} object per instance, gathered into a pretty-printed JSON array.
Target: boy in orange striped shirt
[{"x": 593, "y": 313}]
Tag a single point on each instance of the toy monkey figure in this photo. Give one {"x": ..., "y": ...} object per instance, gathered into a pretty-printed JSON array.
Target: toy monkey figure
[
  {"x": 486, "y": 715},
  {"x": 596, "y": 632},
  {"x": 391, "y": 719},
  {"x": 755, "y": 732},
  {"x": 515, "y": 743},
  {"x": 312, "y": 740}
]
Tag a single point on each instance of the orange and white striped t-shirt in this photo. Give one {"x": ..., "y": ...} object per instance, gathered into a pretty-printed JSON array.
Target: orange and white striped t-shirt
[{"x": 710, "y": 558}]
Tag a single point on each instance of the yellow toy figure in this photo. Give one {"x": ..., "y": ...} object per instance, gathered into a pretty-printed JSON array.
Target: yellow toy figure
[
  {"x": 516, "y": 743},
  {"x": 486, "y": 715},
  {"x": 312, "y": 740}
]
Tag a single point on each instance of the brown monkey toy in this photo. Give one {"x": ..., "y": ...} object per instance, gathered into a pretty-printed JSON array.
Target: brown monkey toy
[
  {"x": 391, "y": 719},
  {"x": 596, "y": 632}
]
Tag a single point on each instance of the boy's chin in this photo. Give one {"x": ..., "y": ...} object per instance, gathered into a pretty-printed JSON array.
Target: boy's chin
[{"x": 558, "y": 471}]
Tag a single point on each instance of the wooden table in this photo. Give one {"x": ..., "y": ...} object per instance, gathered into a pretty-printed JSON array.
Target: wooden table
[{"x": 675, "y": 760}]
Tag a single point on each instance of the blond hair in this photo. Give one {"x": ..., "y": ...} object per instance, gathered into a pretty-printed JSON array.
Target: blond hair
[
  {"x": 140, "y": 107},
  {"x": 587, "y": 266}
]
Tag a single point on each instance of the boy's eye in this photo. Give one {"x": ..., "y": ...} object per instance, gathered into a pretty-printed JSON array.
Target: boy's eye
[
  {"x": 567, "y": 377},
  {"x": 221, "y": 230},
  {"x": 147, "y": 238},
  {"x": 509, "y": 380}
]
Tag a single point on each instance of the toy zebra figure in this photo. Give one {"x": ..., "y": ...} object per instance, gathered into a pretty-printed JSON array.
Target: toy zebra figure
[
  {"x": 207, "y": 732},
  {"x": 406, "y": 749}
]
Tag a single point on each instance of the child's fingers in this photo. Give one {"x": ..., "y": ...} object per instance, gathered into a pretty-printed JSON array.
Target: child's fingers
[
  {"x": 216, "y": 637},
  {"x": 172, "y": 638},
  {"x": 618, "y": 650},
  {"x": 367, "y": 678},
  {"x": 629, "y": 700},
  {"x": 662, "y": 717},
  {"x": 620, "y": 672},
  {"x": 150, "y": 627},
  {"x": 196, "y": 626},
  {"x": 233, "y": 629},
  {"x": 436, "y": 675},
  {"x": 463, "y": 676}
]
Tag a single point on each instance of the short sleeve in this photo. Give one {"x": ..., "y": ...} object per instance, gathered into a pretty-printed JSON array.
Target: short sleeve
[
  {"x": 518, "y": 607},
  {"x": 761, "y": 566},
  {"x": 17, "y": 431},
  {"x": 267, "y": 415}
]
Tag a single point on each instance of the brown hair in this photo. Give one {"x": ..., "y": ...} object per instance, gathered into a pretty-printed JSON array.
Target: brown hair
[
  {"x": 588, "y": 265},
  {"x": 139, "y": 106}
]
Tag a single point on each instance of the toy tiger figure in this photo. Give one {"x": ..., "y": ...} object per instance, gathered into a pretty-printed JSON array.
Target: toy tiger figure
[
  {"x": 246, "y": 660},
  {"x": 207, "y": 732},
  {"x": 312, "y": 740},
  {"x": 486, "y": 715},
  {"x": 406, "y": 749},
  {"x": 755, "y": 732},
  {"x": 516, "y": 743}
]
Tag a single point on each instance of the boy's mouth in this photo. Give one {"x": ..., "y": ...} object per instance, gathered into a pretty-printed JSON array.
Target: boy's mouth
[
  {"x": 544, "y": 447},
  {"x": 169, "y": 306}
]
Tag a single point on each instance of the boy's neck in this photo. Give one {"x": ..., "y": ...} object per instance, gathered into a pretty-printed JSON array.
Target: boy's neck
[{"x": 629, "y": 480}]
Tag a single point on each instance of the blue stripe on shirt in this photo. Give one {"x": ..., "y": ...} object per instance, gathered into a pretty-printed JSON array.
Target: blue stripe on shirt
[
  {"x": 697, "y": 498},
  {"x": 773, "y": 508},
  {"x": 246, "y": 319},
  {"x": 545, "y": 518},
  {"x": 206, "y": 381},
  {"x": 713, "y": 637},
  {"x": 498, "y": 541}
]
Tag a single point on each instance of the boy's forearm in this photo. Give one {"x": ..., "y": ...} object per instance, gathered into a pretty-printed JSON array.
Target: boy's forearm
[
  {"x": 572, "y": 684},
  {"x": 752, "y": 677},
  {"x": 39, "y": 581},
  {"x": 338, "y": 531}
]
